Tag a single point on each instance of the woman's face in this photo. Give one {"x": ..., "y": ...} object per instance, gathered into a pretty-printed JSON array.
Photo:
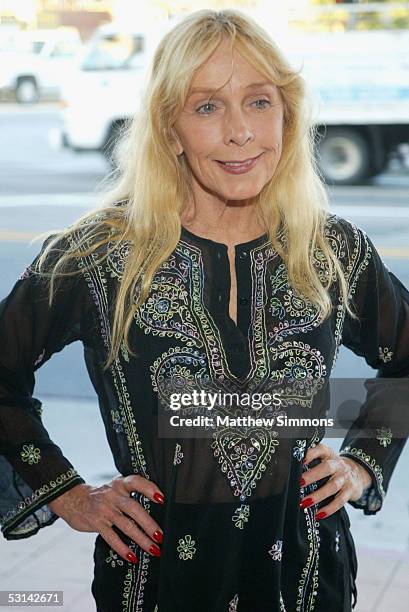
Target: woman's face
[{"x": 243, "y": 120}]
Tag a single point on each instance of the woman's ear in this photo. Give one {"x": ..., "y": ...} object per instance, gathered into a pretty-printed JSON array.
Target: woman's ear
[{"x": 175, "y": 142}]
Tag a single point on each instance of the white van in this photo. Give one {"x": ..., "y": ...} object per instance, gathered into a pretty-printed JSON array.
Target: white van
[
  {"x": 37, "y": 62},
  {"x": 105, "y": 89}
]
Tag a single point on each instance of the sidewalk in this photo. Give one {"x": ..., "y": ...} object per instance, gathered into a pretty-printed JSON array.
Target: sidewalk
[{"x": 60, "y": 558}]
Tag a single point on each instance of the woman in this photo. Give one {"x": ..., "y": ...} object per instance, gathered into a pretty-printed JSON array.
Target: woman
[{"x": 201, "y": 272}]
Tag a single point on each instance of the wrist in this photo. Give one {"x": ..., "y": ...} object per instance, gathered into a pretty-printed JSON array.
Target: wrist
[
  {"x": 364, "y": 475},
  {"x": 60, "y": 503}
]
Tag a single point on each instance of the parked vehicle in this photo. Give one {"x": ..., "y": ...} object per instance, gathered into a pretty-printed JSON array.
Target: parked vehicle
[
  {"x": 37, "y": 63},
  {"x": 358, "y": 84},
  {"x": 359, "y": 87}
]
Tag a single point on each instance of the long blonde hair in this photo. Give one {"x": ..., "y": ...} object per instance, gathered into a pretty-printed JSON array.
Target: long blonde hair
[{"x": 154, "y": 184}]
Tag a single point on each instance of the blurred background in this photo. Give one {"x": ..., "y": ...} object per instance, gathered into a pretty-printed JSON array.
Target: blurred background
[{"x": 71, "y": 73}]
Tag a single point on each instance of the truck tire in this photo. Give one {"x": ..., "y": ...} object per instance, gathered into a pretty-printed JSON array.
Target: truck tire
[
  {"x": 343, "y": 156},
  {"x": 27, "y": 90}
]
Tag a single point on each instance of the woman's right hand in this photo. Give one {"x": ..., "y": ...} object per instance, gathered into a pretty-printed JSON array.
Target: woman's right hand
[{"x": 88, "y": 508}]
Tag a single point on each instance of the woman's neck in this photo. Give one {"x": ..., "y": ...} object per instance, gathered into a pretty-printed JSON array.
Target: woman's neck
[{"x": 230, "y": 224}]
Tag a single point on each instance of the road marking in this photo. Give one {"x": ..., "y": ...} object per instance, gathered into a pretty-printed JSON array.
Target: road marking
[
  {"x": 83, "y": 200},
  {"x": 370, "y": 212},
  {"x": 16, "y": 236}
]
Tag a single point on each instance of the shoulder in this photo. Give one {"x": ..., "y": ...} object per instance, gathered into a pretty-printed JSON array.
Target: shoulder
[{"x": 350, "y": 240}]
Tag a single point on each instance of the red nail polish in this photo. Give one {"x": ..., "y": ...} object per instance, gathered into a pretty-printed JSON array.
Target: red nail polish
[
  {"x": 132, "y": 558},
  {"x": 158, "y": 536},
  {"x": 159, "y": 498},
  {"x": 155, "y": 550},
  {"x": 302, "y": 482},
  {"x": 308, "y": 501},
  {"x": 320, "y": 515}
]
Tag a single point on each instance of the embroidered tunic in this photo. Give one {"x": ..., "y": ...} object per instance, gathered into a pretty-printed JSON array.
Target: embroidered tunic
[{"x": 235, "y": 538}]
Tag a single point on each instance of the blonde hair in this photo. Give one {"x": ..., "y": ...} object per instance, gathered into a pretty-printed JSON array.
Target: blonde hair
[{"x": 154, "y": 184}]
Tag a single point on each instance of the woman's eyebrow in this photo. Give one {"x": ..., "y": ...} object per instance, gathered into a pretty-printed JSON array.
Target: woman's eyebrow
[{"x": 211, "y": 89}]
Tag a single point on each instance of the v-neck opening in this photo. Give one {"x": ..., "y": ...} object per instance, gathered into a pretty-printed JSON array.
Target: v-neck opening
[
  {"x": 239, "y": 349},
  {"x": 248, "y": 244}
]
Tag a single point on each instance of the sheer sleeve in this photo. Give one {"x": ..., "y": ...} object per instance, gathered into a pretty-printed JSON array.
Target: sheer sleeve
[
  {"x": 33, "y": 469},
  {"x": 381, "y": 336}
]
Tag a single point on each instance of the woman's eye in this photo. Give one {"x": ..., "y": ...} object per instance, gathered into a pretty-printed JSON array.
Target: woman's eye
[
  {"x": 203, "y": 106},
  {"x": 263, "y": 100}
]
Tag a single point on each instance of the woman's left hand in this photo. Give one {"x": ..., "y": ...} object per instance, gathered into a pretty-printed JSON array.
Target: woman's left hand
[{"x": 348, "y": 480}]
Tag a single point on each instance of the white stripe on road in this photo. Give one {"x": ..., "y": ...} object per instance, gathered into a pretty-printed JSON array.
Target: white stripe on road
[
  {"x": 82, "y": 200},
  {"x": 380, "y": 212}
]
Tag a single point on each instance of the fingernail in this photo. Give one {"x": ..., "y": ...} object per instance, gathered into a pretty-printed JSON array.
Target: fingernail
[
  {"x": 155, "y": 550},
  {"x": 302, "y": 482},
  {"x": 132, "y": 558},
  {"x": 158, "y": 536},
  {"x": 159, "y": 498},
  {"x": 320, "y": 515},
  {"x": 308, "y": 501}
]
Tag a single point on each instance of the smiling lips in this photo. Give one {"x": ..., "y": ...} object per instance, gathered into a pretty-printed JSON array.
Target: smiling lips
[{"x": 238, "y": 167}]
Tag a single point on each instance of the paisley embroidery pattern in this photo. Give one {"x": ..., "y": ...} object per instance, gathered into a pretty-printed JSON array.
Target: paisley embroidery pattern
[
  {"x": 168, "y": 309},
  {"x": 295, "y": 315},
  {"x": 244, "y": 462}
]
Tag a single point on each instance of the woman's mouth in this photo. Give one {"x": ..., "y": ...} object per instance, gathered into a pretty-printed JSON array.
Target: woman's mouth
[{"x": 238, "y": 167}]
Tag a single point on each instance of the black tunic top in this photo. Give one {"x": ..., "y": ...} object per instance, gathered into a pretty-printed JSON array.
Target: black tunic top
[{"x": 234, "y": 535}]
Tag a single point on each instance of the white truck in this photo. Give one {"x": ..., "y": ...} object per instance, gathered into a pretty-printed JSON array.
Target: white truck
[
  {"x": 35, "y": 66},
  {"x": 358, "y": 82}
]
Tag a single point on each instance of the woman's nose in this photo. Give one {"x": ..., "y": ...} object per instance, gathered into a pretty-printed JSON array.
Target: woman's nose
[{"x": 238, "y": 129}]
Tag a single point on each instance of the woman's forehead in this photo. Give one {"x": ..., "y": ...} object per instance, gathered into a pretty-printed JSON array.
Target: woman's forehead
[{"x": 224, "y": 69}]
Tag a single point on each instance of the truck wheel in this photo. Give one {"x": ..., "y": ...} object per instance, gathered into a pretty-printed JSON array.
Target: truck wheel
[
  {"x": 27, "y": 91},
  {"x": 344, "y": 157}
]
